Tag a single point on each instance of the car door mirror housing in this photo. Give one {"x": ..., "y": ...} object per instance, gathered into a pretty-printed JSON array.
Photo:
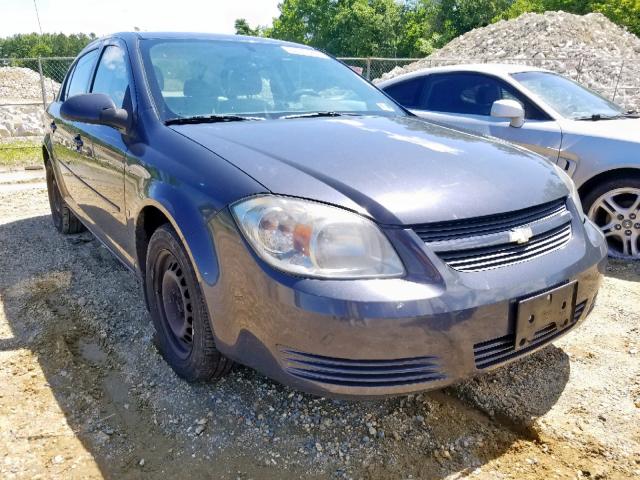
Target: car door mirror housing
[
  {"x": 95, "y": 108},
  {"x": 509, "y": 109}
]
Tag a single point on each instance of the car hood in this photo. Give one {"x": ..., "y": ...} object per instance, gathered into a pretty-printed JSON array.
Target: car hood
[
  {"x": 397, "y": 170},
  {"x": 624, "y": 129}
]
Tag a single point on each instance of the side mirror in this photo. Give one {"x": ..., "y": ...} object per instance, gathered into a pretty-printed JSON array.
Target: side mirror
[
  {"x": 96, "y": 108},
  {"x": 509, "y": 109}
]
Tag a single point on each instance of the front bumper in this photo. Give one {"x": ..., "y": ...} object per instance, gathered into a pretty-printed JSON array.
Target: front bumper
[{"x": 372, "y": 338}]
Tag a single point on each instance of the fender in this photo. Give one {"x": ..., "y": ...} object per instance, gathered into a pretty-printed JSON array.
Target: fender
[{"x": 190, "y": 219}]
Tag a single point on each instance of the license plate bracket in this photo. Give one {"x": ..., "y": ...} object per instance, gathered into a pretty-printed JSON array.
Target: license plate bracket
[{"x": 552, "y": 306}]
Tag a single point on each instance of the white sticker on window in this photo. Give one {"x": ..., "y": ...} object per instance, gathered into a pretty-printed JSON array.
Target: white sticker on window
[
  {"x": 307, "y": 52},
  {"x": 385, "y": 106}
]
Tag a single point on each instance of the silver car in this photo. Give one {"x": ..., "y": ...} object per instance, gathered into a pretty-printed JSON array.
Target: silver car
[{"x": 592, "y": 139}]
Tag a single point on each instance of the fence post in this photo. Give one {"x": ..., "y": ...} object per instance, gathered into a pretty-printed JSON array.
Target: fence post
[
  {"x": 368, "y": 74},
  {"x": 579, "y": 69},
  {"x": 44, "y": 92},
  {"x": 615, "y": 90}
]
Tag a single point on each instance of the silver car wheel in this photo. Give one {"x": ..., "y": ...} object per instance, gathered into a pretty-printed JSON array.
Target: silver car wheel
[{"x": 617, "y": 214}]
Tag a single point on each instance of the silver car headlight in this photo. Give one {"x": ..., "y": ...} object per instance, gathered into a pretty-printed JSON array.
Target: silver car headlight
[
  {"x": 315, "y": 240},
  {"x": 573, "y": 191}
]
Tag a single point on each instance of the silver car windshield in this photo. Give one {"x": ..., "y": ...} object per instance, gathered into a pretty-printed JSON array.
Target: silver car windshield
[
  {"x": 231, "y": 79},
  {"x": 567, "y": 97}
]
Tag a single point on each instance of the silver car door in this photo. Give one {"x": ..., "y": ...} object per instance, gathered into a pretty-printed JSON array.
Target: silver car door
[{"x": 463, "y": 100}]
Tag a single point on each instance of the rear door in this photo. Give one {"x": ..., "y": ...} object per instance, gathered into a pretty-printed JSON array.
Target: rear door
[
  {"x": 463, "y": 100},
  {"x": 70, "y": 144}
]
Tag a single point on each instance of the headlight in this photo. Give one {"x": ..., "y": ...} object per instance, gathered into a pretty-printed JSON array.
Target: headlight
[
  {"x": 575, "y": 196},
  {"x": 315, "y": 240}
]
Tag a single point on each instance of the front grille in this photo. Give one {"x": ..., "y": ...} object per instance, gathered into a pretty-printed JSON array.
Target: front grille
[
  {"x": 498, "y": 350},
  {"x": 484, "y": 258},
  {"x": 577, "y": 313},
  {"x": 361, "y": 373},
  {"x": 486, "y": 225}
]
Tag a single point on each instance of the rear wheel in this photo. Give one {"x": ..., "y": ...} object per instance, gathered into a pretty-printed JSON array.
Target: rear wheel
[
  {"x": 614, "y": 206},
  {"x": 63, "y": 218},
  {"x": 178, "y": 311}
]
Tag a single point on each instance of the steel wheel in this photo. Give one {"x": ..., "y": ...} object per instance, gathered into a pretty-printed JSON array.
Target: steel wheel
[
  {"x": 617, "y": 214},
  {"x": 174, "y": 301}
]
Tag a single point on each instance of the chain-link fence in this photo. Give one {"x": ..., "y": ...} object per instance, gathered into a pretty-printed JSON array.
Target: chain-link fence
[
  {"x": 372, "y": 67},
  {"x": 28, "y": 85}
]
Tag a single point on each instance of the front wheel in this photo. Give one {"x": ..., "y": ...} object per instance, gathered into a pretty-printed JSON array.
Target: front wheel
[
  {"x": 178, "y": 311},
  {"x": 614, "y": 206}
]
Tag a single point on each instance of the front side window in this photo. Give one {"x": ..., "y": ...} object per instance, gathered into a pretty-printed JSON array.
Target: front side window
[
  {"x": 112, "y": 77},
  {"x": 79, "y": 82},
  {"x": 568, "y": 98},
  {"x": 407, "y": 93},
  {"x": 205, "y": 77},
  {"x": 471, "y": 94}
]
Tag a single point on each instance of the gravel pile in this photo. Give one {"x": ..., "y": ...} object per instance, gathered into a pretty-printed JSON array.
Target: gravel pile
[
  {"x": 24, "y": 84},
  {"x": 589, "y": 48},
  {"x": 20, "y": 85}
]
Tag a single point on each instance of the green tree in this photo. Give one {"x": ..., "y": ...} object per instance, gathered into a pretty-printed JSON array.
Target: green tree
[
  {"x": 243, "y": 28},
  {"x": 412, "y": 28},
  {"x": 451, "y": 18},
  {"x": 46, "y": 45}
]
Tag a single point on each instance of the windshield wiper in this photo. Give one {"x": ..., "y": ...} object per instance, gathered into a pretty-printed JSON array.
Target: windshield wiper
[
  {"x": 209, "y": 119},
  {"x": 318, "y": 114},
  {"x": 597, "y": 116}
]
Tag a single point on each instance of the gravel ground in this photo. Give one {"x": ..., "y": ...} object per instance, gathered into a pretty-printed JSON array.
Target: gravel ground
[{"x": 86, "y": 395}]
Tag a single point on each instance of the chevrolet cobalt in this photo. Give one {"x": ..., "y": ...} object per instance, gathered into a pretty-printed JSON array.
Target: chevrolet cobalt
[{"x": 283, "y": 213}]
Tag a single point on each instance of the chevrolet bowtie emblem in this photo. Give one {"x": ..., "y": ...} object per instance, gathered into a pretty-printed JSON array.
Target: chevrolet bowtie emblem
[{"x": 520, "y": 235}]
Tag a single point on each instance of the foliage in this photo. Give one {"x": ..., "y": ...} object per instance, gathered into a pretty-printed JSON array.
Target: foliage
[
  {"x": 20, "y": 153},
  {"x": 46, "y": 45},
  {"x": 411, "y": 28},
  {"x": 243, "y": 28}
]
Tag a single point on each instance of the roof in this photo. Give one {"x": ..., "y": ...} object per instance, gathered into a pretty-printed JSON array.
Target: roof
[
  {"x": 199, "y": 36},
  {"x": 498, "y": 69},
  {"x": 133, "y": 36}
]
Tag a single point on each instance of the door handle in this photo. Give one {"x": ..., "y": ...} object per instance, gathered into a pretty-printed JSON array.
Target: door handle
[{"x": 78, "y": 141}]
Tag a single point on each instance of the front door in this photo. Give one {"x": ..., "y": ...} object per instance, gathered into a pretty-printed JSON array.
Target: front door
[
  {"x": 103, "y": 172},
  {"x": 463, "y": 100}
]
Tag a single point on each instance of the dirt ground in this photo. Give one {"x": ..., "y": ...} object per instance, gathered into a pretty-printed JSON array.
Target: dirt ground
[{"x": 84, "y": 393}]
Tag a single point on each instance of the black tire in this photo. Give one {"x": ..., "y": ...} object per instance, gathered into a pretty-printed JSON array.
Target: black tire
[
  {"x": 628, "y": 222},
  {"x": 63, "y": 218},
  {"x": 179, "y": 314}
]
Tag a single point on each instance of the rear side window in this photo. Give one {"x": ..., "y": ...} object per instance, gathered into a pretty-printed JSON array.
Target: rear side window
[
  {"x": 472, "y": 94},
  {"x": 79, "y": 82},
  {"x": 406, "y": 93},
  {"x": 112, "y": 76}
]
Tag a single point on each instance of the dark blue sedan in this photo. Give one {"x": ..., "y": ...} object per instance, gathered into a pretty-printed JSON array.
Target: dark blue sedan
[{"x": 283, "y": 213}]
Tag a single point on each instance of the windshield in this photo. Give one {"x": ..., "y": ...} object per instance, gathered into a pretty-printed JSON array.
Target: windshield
[
  {"x": 567, "y": 97},
  {"x": 196, "y": 78}
]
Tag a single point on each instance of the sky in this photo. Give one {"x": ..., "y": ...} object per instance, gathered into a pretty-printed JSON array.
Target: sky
[{"x": 107, "y": 16}]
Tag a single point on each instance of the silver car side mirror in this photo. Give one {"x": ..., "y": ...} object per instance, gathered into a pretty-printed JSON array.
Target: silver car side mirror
[{"x": 509, "y": 109}]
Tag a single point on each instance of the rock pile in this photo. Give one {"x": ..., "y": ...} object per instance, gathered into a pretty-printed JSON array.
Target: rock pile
[
  {"x": 590, "y": 49},
  {"x": 21, "y": 112}
]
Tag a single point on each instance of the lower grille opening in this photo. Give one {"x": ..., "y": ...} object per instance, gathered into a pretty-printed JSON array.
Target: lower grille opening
[
  {"x": 361, "y": 373},
  {"x": 501, "y": 349}
]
